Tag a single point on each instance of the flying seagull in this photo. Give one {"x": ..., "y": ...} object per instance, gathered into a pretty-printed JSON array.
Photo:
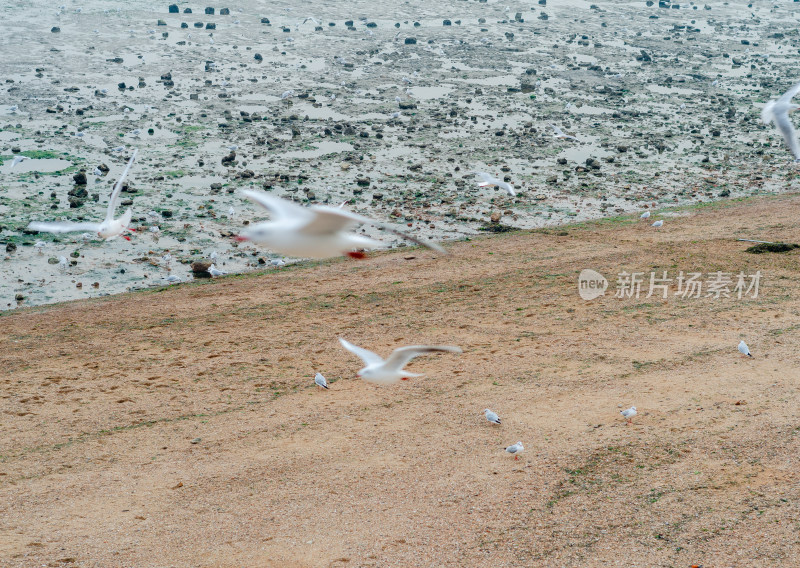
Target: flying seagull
[
  {"x": 389, "y": 371},
  {"x": 778, "y": 112},
  {"x": 313, "y": 232},
  {"x": 488, "y": 180},
  {"x": 558, "y": 133},
  {"x": 108, "y": 229}
]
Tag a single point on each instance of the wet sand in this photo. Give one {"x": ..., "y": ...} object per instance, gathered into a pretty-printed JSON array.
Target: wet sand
[{"x": 664, "y": 103}]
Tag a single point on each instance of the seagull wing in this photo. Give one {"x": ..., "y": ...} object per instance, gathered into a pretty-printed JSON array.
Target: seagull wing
[
  {"x": 279, "y": 209},
  {"x": 112, "y": 203},
  {"x": 329, "y": 220},
  {"x": 400, "y": 357},
  {"x": 787, "y": 97},
  {"x": 558, "y": 131},
  {"x": 63, "y": 227},
  {"x": 784, "y": 124},
  {"x": 365, "y": 355}
]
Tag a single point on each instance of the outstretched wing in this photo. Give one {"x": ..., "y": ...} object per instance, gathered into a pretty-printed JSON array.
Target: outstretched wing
[
  {"x": 787, "y": 97},
  {"x": 784, "y": 124},
  {"x": 365, "y": 355},
  {"x": 279, "y": 209},
  {"x": 330, "y": 219},
  {"x": 400, "y": 357},
  {"x": 112, "y": 203},
  {"x": 63, "y": 227},
  {"x": 557, "y": 130}
]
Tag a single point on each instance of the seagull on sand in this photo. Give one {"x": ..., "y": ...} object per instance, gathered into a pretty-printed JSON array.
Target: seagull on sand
[
  {"x": 389, "y": 371},
  {"x": 744, "y": 349},
  {"x": 488, "y": 180},
  {"x": 320, "y": 381},
  {"x": 491, "y": 416},
  {"x": 313, "y": 232},
  {"x": 659, "y": 223},
  {"x": 558, "y": 133},
  {"x": 778, "y": 112},
  {"x": 108, "y": 229},
  {"x": 645, "y": 215},
  {"x": 516, "y": 450},
  {"x": 629, "y": 413}
]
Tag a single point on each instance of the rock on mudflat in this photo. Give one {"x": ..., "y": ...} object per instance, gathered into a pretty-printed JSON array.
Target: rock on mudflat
[{"x": 173, "y": 8}]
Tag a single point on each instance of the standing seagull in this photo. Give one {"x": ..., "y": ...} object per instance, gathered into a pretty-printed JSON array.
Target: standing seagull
[
  {"x": 389, "y": 371},
  {"x": 488, "y": 180},
  {"x": 629, "y": 413},
  {"x": 108, "y": 229},
  {"x": 320, "y": 381},
  {"x": 645, "y": 215},
  {"x": 214, "y": 271},
  {"x": 516, "y": 450},
  {"x": 313, "y": 232},
  {"x": 744, "y": 349},
  {"x": 491, "y": 416},
  {"x": 778, "y": 112},
  {"x": 658, "y": 224}
]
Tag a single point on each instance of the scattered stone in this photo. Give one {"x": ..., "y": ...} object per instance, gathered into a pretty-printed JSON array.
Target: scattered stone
[
  {"x": 410, "y": 41},
  {"x": 55, "y": 29},
  {"x": 11, "y": 247},
  {"x": 210, "y": 11},
  {"x": 225, "y": 12},
  {"x": 173, "y": 9}
]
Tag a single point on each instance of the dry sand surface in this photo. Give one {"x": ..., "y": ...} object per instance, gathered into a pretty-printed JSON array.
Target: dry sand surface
[{"x": 181, "y": 427}]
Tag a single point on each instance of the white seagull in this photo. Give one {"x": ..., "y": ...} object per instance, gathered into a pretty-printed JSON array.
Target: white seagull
[
  {"x": 214, "y": 271},
  {"x": 389, "y": 371},
  {"x": 778, "y": 112},
  {"x": 744, "y": 349},
  {"x": 320, "y": 381},
  {"x": 314, "y": 232},
  {"x": 17, "y": 160},
  {"x": 659, "y": 223},
  {"x": 558, "y": 133},
  {"x": 108, "y": 229},
  {"x": 629, "y": 413},
  {"x": 491, "y": 416},
  {"x": 515, "y": 450},
  {"x": 645, "y": 215},
  {"x": 488, "y": 180}
]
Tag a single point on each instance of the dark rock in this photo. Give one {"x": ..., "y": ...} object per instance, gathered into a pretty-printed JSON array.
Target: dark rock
[
  {"x": 771, "y": 247},
  {"x": 161, "y": 23},
  {"x": 210, "y": 11},
  {"x": 265, "y": 20},
  {"x": 225, "y": 12},
  {"x": 349, "y": 23},
  {"x": 199, "y": 266},
  {"x": 447, "y": 23},
  {"x": 406, "y": 105},
  {"x": 11, "y": 247},
  {"x": 410, "y": 40},
  {"x": 166, "y": 213},
  {"x": 167, "y": 76},
  {"x": 79, "y": 178},
  {"x": 364, "y": 182},
  {"x": 230, "y": 158},
  {"x": 258, "y": 57},
  {"x": 184, "y": 25},
  {"x": 55, "y": 29},
  {"x": 198, "y": 24},
  {"x": 173, "y": 8},
  {"x": 187, "y": 10},
  {"x": 210, "y": 26}
]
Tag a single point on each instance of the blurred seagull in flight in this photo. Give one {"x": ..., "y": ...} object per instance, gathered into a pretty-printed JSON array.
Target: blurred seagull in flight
[
  {"x": 390, "y": 371},
  {"x": 108, "y": 229},
  {"x": 313, "y": 232},
  {"x": 488, "y": 180},
  {"x": 777, "y": 111}
]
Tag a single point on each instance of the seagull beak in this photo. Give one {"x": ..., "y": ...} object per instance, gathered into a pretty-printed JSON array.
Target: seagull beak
[{"x": 239, "y": 238}]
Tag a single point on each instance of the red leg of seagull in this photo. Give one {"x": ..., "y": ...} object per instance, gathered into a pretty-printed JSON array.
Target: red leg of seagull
[
  {"x": 357, "y": 254},
  {"x": 516, "y": 457},
  {"x": 126, "y": 237}
]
